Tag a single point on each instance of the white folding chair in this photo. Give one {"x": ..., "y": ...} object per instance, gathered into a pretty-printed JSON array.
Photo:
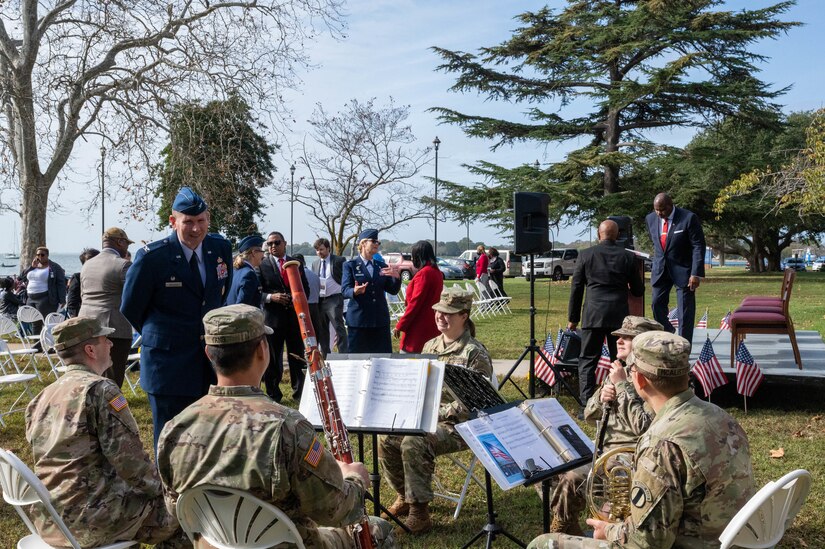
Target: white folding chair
[
  {"x": 228, "y": 518},
  {"x": 54, "y": 318},
  {"x": 503, "y": 300},
  {"x": 47, "y": 346},
  {"x": 132, "y": 362},
  {"x": 395, "y": 305},
  {"x": 468, "y": 468},
  {"x": 29, "y": 314},
  {"x": 22, "y": 488},
  {"x": 482, "y": 299},
  {"x": 762, "y": 522},
  {"x": 10, "y": 377},
  {"x": 9, "y": 327}
]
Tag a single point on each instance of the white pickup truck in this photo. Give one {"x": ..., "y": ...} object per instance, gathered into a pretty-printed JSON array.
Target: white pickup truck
[{"x": 558, "y": 264}]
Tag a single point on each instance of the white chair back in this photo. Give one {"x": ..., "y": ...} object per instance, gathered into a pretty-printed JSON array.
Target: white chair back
[
  {"x": 54, "y": 318},
  {"x": 27, "y": 313},
  {"x": 761, "y": 523},
  {"x": 228, "y": 518}
]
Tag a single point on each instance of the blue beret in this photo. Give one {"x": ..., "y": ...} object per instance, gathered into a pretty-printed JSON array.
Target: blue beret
[
  {"x": 188, "y": 202},
  {"x": 368, "y": 234},
  {"x": 250, "y": 242}
]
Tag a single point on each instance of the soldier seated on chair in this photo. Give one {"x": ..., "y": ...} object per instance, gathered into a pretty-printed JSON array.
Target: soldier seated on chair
[
  {"x": 692, "y": 470},
  {"x": 236, "y": 436},
  {"x": 409, "y": 462},
  {"x": 87, "y": 451}
]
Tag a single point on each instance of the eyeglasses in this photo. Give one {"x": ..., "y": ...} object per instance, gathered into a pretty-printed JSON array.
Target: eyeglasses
[
  {"x": 376, "y": 242},
  {"x": 274, "y": 243}
]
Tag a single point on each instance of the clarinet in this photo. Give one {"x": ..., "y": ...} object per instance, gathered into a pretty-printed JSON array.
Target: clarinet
[{"x": 319, "y": 373}]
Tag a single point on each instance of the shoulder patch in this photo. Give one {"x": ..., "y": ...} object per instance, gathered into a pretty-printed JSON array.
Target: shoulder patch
[
  {"x": 118, "y": 403},
  {"x": 640, "y": 495},
  {"x": 315, "y": 452}
]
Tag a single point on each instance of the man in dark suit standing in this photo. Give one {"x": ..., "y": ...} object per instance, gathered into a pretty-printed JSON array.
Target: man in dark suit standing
[
  {"x": 330, "y": 269},
  {"x": 364, "y": 282},
  {"x": 678, "y": 260},
  {"x": 279, "y": 314},
  {"x": 607, "y": 270},
  {"x": 171, "y": 285}
]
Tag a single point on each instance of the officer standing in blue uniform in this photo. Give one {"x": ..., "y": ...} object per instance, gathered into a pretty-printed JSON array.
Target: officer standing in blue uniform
[
  {"x": 364, "y": 282},
  {"x": 246, "y": 285},
  {"x": 171, "y": 285}
]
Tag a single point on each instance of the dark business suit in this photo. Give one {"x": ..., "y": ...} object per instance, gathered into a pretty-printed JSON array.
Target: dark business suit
[
  {"x": 246, "y": 287},
  {"x": 332, "y": 307},
  {"x": 368, "y": 316},
  {"x": 165, "y": 303},
  {"x": 683, "y": 257},
  {"x": 606, "y": 270},
  {"x": 284, "y": 323}
]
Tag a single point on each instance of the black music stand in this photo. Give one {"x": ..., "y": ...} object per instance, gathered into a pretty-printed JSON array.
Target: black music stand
[{"x": 492, "y": 529}]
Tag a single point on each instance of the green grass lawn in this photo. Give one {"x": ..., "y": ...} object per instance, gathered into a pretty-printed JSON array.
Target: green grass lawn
[{"x": 779, "y": 416}]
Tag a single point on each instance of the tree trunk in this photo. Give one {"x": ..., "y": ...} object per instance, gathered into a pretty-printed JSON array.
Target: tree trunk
[
  {"x": 33, "y": 217},
  {"x": 611, "y": 135}
]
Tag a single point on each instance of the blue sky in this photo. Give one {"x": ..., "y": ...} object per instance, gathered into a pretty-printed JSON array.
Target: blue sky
[{"x": 386, "y": 53}]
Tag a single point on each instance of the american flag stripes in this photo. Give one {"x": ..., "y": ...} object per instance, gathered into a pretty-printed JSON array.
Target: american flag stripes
[
  {"x": 673, "y": 317},
  {"x": 703, "y": 322},
  {"x": 543, "y": 371},
  {"x": 603, "y": 366},
  {"x": 725, "y": 324},
  {"x": 748, "y": 374},
  {"x": 708, "y": 370}
]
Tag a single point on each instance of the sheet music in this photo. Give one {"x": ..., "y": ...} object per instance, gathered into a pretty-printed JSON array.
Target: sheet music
[
  {"x": 547, "y": 412},
  {"x": 396, "y": 389},
  {"x": 347, "y": 378}
]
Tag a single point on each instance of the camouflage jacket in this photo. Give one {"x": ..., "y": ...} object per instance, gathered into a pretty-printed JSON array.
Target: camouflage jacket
[
  {"x": 88, "y": 453},
  {"x": 692, "y": 474},
  {"x": 629, "y": 415},
  {"x": 467, "y": 352},
  {"x": 238, "y": 437}
]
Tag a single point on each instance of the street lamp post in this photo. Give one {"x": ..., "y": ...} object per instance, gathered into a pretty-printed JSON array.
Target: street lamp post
[
  {"x": 291, "y": 206},
  {"x": 436, "y": 143},
  {"x": 102, "y": 189}
]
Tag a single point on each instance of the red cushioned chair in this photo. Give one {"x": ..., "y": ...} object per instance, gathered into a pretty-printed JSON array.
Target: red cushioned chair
[{"x": 765, "y": 316}]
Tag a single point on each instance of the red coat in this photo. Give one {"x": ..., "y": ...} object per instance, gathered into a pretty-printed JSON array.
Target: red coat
[
  {"x": 481, "y": 265},
  {"x": 417, "y": 324}
]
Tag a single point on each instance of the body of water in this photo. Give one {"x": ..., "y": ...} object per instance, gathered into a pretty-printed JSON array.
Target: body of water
[{"x": 69, "y": 262}]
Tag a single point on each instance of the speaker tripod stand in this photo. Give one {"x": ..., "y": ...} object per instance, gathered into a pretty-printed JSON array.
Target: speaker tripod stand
[{"x": 532, "y": 349}]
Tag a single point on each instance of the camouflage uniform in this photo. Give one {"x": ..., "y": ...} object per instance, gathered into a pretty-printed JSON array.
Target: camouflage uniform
[
  {"x": 87, "y": 451},
  {"x": 629, "y": 418},
  {"x": 692, "y": 470},
  {"x": 408, "y": 462},
  {"x": 240, "y": 438}
]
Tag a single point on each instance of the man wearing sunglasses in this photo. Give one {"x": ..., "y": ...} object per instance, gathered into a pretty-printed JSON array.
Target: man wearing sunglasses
[{"x": 279, "y": 315}]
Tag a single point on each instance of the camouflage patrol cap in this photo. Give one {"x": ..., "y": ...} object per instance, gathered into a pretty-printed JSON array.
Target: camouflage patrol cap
[
  {"x": 660, "y": 354},
  {"x": 454, "y": 300},
  {"x": 635, "y": 325},
  {"x": 234, "y": 324},
  {"x": 77, "y": 330}
]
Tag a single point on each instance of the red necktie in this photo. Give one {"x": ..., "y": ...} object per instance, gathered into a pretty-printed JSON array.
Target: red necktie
[
  {"x": 663, "y": 236},
  {"x": 283, "y": 274}
]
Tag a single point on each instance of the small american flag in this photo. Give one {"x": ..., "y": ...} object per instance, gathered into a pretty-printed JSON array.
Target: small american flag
[
  {"x": 708, "y": 370},
  {"x": 603, "y": 366},
  {"x": 673, "y": 317},
  {"x": 748, "y": 374},
  {"x": 543, "y": 371},
  {"x": 703, "y": 322},
  {"x": 725, "y": 324},
  {"x": 314, "y": 453},
  {"x": 561, "y": 343}
]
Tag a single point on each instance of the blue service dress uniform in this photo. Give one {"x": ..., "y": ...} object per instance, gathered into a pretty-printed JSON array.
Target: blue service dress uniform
[
  {"x": 368, "y": 316},
  {"x": 165, "y": 303},
  {"x": 246, "y": 287}
]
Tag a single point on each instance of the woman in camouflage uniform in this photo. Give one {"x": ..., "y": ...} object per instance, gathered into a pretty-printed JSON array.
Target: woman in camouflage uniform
[{"x": 408, "y": 462}]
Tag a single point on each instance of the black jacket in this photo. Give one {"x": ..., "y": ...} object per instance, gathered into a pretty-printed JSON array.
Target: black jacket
[{"x": 276, "y": 314}]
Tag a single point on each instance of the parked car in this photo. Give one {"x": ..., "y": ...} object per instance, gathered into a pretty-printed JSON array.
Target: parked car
[
  {"x": 818, "y": 263},
  {"x": 512, "y": 263},
  {"x": 557, "y": 264},
  {"x": 795, "y": 263},
  {"x": 450, "y": 272},
  {"x": 468, "y": 267},
  {"x": 403, "y": 263}
]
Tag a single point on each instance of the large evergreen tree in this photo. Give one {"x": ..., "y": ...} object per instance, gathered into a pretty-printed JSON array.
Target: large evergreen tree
[
  {"x": 215, "y": 149},
  {"x": 609, "y": 71}
]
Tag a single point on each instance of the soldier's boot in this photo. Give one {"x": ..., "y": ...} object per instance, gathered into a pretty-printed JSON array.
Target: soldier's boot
[
  {"x": 419, "y": 521},
  {"x": 569, "y": 526},
  {"x": 399, "y": 508}
]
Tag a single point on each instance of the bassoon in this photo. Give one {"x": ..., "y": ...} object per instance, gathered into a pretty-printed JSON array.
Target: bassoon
[{"x": 319, "y": 373}]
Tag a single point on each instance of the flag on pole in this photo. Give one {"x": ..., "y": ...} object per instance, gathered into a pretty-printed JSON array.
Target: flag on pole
[
  {"x": 603, "y": 366},
  {"x": 561, "y": 343},
  {"x": 703, "y": 322},
  {"x": 708, "y": 370},
  {"x": 725, "y": 325},
  {"x": 673, "y": 317},
  {"x": 543, "y": 371},
  {"x": 748, "y": 374}
]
